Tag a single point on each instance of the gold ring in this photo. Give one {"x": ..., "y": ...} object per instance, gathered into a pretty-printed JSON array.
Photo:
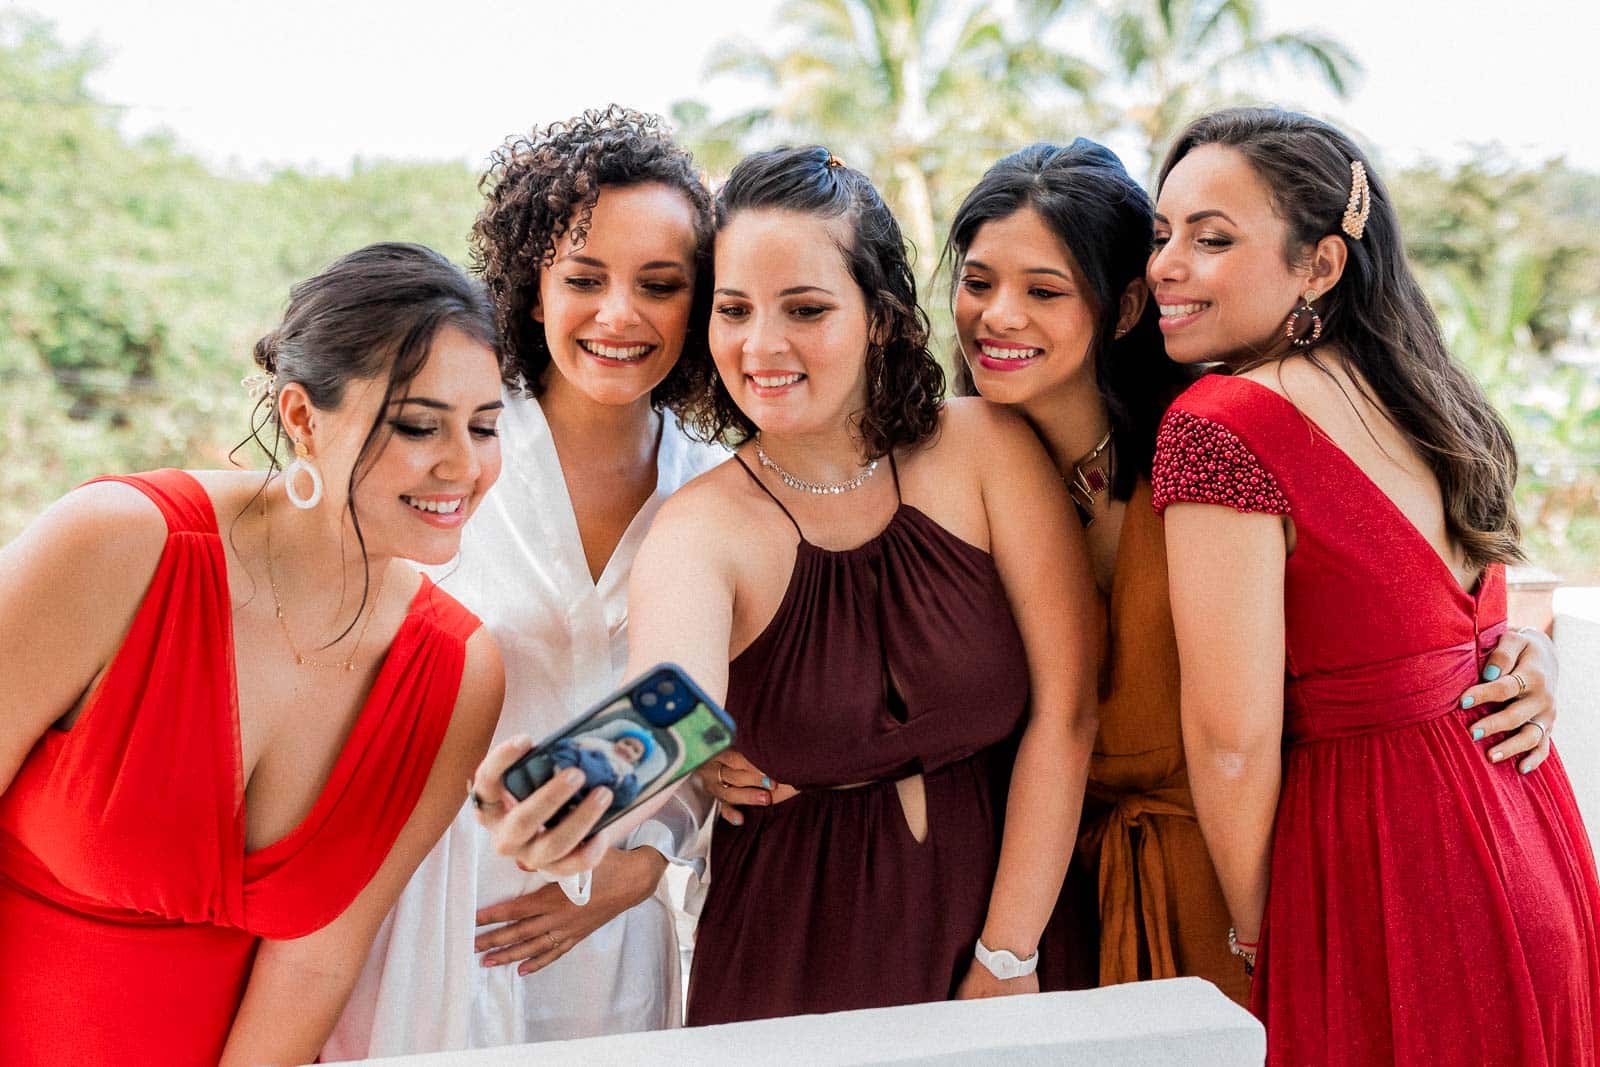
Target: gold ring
[
  {"x": 1543, "y": 729},
  {"x": 723, "y": 782},
  {"x": 555, "y": 942},
  {"x": 1522, "y": 683}
]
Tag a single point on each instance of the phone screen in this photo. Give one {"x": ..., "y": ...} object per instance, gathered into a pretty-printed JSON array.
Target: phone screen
[{"x": 642, "y": 739}]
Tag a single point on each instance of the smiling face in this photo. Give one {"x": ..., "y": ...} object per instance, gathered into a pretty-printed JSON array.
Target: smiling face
[
  {"x": 789, "y": 324},
  {"x": 616, "y": 308},
  {"x": 1219, "y": 270},
  {"x": 1025, "y": 320},
  {"x": 436, "y": 453}
]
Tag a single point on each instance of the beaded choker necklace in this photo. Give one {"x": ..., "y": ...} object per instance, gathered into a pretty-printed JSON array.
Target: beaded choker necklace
[{"x": 804, "y": 486}]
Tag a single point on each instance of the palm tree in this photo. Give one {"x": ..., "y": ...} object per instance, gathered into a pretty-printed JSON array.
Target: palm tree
[
  {"x": 920, "y": 94},
  {"x": 1173, "y": 59}
]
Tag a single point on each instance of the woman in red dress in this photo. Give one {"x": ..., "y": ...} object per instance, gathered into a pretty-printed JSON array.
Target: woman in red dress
[
  {"x": 233, "y": 719},
  {"x": 1339, "y": 506}
]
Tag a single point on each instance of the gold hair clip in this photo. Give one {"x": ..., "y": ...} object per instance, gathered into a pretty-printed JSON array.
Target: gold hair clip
[
  {"x": 834, "y": 161},
  {"x": 1359, "y": 206}
]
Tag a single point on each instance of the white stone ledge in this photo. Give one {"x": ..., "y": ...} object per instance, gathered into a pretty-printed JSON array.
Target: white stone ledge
[
  {"x": 1577, "y": 736},
  {"x": 1181, "y": 1021}
]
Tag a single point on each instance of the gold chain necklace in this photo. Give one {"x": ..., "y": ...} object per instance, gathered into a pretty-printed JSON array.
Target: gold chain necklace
[{"x": 300, "y": 658}]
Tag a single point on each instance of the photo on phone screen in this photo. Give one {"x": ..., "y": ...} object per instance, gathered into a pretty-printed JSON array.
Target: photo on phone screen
[{"x": 642, "y": 739}]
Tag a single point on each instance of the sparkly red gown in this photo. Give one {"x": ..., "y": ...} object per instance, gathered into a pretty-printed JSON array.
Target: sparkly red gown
[
  {"x": 129, "y": 909},
  {"x": 1424, "y": 905}
]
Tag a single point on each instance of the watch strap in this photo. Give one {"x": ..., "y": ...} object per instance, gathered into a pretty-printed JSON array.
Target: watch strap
[{"x": 1003, "y": 963}]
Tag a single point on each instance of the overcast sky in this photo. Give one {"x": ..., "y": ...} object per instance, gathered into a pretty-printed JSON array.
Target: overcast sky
[{"x": 254, "y": 83}]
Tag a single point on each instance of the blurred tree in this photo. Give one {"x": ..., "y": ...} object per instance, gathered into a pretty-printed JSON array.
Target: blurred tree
[
  {"x": 133, "y": 281},
  {"x": 920, "y": 94},
  {"x": 1171, "y": 60}
]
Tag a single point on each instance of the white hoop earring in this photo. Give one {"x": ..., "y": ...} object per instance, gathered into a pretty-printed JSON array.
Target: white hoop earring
[{"x": 302, "y": 465}]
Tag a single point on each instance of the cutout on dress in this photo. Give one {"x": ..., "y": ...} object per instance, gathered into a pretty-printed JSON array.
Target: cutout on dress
[{"x": 914, "y": 806}]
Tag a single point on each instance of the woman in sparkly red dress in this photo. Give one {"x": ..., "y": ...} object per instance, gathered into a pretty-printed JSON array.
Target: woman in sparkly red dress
[{"x": 1339, "y": 507}]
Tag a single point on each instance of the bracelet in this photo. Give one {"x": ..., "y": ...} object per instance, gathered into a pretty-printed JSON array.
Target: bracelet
[{"x": 1245, "y": 950}]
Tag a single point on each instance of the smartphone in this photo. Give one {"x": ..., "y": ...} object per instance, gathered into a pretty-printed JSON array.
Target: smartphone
[{"x": 641, "y": 739}]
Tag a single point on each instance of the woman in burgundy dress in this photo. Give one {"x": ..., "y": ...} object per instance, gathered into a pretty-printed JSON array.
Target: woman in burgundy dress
[
  {"x": 233, "y": 718},
  {"x": 893, "y": 597},
  {"x": 1339, "y": 508}
]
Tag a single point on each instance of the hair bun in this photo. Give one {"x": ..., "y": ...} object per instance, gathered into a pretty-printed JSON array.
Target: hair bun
[{"x": 266, "y": 352}]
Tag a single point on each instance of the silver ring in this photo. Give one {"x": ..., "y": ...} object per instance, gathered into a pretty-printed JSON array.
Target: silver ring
[{"x": 1544, "y": 730}]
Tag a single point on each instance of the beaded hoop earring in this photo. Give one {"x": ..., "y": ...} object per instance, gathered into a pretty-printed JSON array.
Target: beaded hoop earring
[{"x": 1297, "y": 330}]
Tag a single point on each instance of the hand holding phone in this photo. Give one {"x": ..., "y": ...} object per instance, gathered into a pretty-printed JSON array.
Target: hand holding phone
[
  {"x": 527, "y": 831},
  {"x": 618, "y": 756}
]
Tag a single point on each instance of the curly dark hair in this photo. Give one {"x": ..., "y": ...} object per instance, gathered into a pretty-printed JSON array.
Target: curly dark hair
[
  {"x": 905, "y": 386},
  {"x": 542, "y": 186}
]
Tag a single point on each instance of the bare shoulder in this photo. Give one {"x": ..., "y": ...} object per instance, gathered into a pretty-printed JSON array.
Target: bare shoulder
[
  {"x": 971, "y": 421},
  {"x": 708, "y": 505},
  {"x": 483, "y": 685},
  {"x": 106, "y": 527}
]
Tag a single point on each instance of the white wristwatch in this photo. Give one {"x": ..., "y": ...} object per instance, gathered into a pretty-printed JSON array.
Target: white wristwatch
[{"x": 1004, "y": 964}]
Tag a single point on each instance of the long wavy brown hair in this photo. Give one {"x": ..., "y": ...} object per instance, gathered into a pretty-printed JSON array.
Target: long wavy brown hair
[
  {"x": 905, "y": 386},
  {"x": 1378, "y": 318},
  {"x": 545, "y": 185}
]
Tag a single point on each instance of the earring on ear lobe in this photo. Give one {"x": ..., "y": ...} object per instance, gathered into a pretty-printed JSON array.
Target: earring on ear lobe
[
  {"x": 302, "y": 465},
  {"x": 1303, "y": 332}
]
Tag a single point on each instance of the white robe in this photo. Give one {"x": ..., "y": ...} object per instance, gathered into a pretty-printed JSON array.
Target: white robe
[{"x": 563, "y": 638}]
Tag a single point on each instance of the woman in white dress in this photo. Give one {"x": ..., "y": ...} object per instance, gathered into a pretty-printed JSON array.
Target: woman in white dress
[{"x": 595, "y": 244}]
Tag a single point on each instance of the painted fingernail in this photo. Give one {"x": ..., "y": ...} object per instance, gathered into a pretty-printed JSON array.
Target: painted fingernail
[
  {"x": 1467, "y": 702},
  {"x": 766, "y": 783},
  {"x": 1525, "y": 768},
  {"x": 1490, "y": 673},
  {"x": 735, "y": 818},
  {"x": 1477, "y": 733},
  {"x": 1496, "y": 757},
  {"x": 490, "y": 961},
  {"x": 572, "y": 776}
]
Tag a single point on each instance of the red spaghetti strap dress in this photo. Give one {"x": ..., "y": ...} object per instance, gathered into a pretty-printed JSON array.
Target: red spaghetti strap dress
[
  {"x": 1424, "y": 905},
  {"x": 129, "y": 909},
  {"x": 894, "y": 658}
]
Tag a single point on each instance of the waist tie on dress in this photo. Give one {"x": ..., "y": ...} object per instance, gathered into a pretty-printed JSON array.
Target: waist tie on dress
[
  {"x": 1124, "y": 912},
  {"x": 1375, "y": 697}
]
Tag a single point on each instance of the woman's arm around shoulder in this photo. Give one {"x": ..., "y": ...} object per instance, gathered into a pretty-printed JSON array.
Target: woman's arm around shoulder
[
  {"x": 70, "y": 585},
  {"x": 298, "y": 988}
]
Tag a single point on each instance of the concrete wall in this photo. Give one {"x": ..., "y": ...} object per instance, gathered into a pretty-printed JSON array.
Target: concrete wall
[
  {"x": 1182, "y": 1022},
  {"x": 1577, "y": 738}
]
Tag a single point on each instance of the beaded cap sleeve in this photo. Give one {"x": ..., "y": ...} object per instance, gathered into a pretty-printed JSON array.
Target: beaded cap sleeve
[{"x": 1201, "y": 461}]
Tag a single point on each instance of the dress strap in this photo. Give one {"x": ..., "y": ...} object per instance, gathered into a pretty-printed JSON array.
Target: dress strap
[
  {"x": 183, "y": 501},
  {"x": 763, "y": 487}
]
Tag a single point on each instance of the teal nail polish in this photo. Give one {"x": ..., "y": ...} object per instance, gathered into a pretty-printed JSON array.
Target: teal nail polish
[
  {"x": 1477, "y": 733},
  {"x": 766, "y": 783},
  {"x": 1491, "y": 672},
  {"x": 1467, "y": 702},
  {"x": 1525, "y": 770}
]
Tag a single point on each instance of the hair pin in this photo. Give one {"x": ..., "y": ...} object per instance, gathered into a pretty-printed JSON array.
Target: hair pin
[
  {"x": 1359, "y": 205},
  {"x": 260, "y": 385},
  {"x": 834, "y": 161}
]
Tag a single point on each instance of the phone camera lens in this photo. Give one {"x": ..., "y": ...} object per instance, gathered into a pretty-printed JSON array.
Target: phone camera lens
[
  {"x": 667, "y": 687},
  {"x": 647, "y": 698}
]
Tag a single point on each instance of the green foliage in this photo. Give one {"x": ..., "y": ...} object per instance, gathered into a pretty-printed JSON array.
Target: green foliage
[{"x": 134, "y": 282}]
